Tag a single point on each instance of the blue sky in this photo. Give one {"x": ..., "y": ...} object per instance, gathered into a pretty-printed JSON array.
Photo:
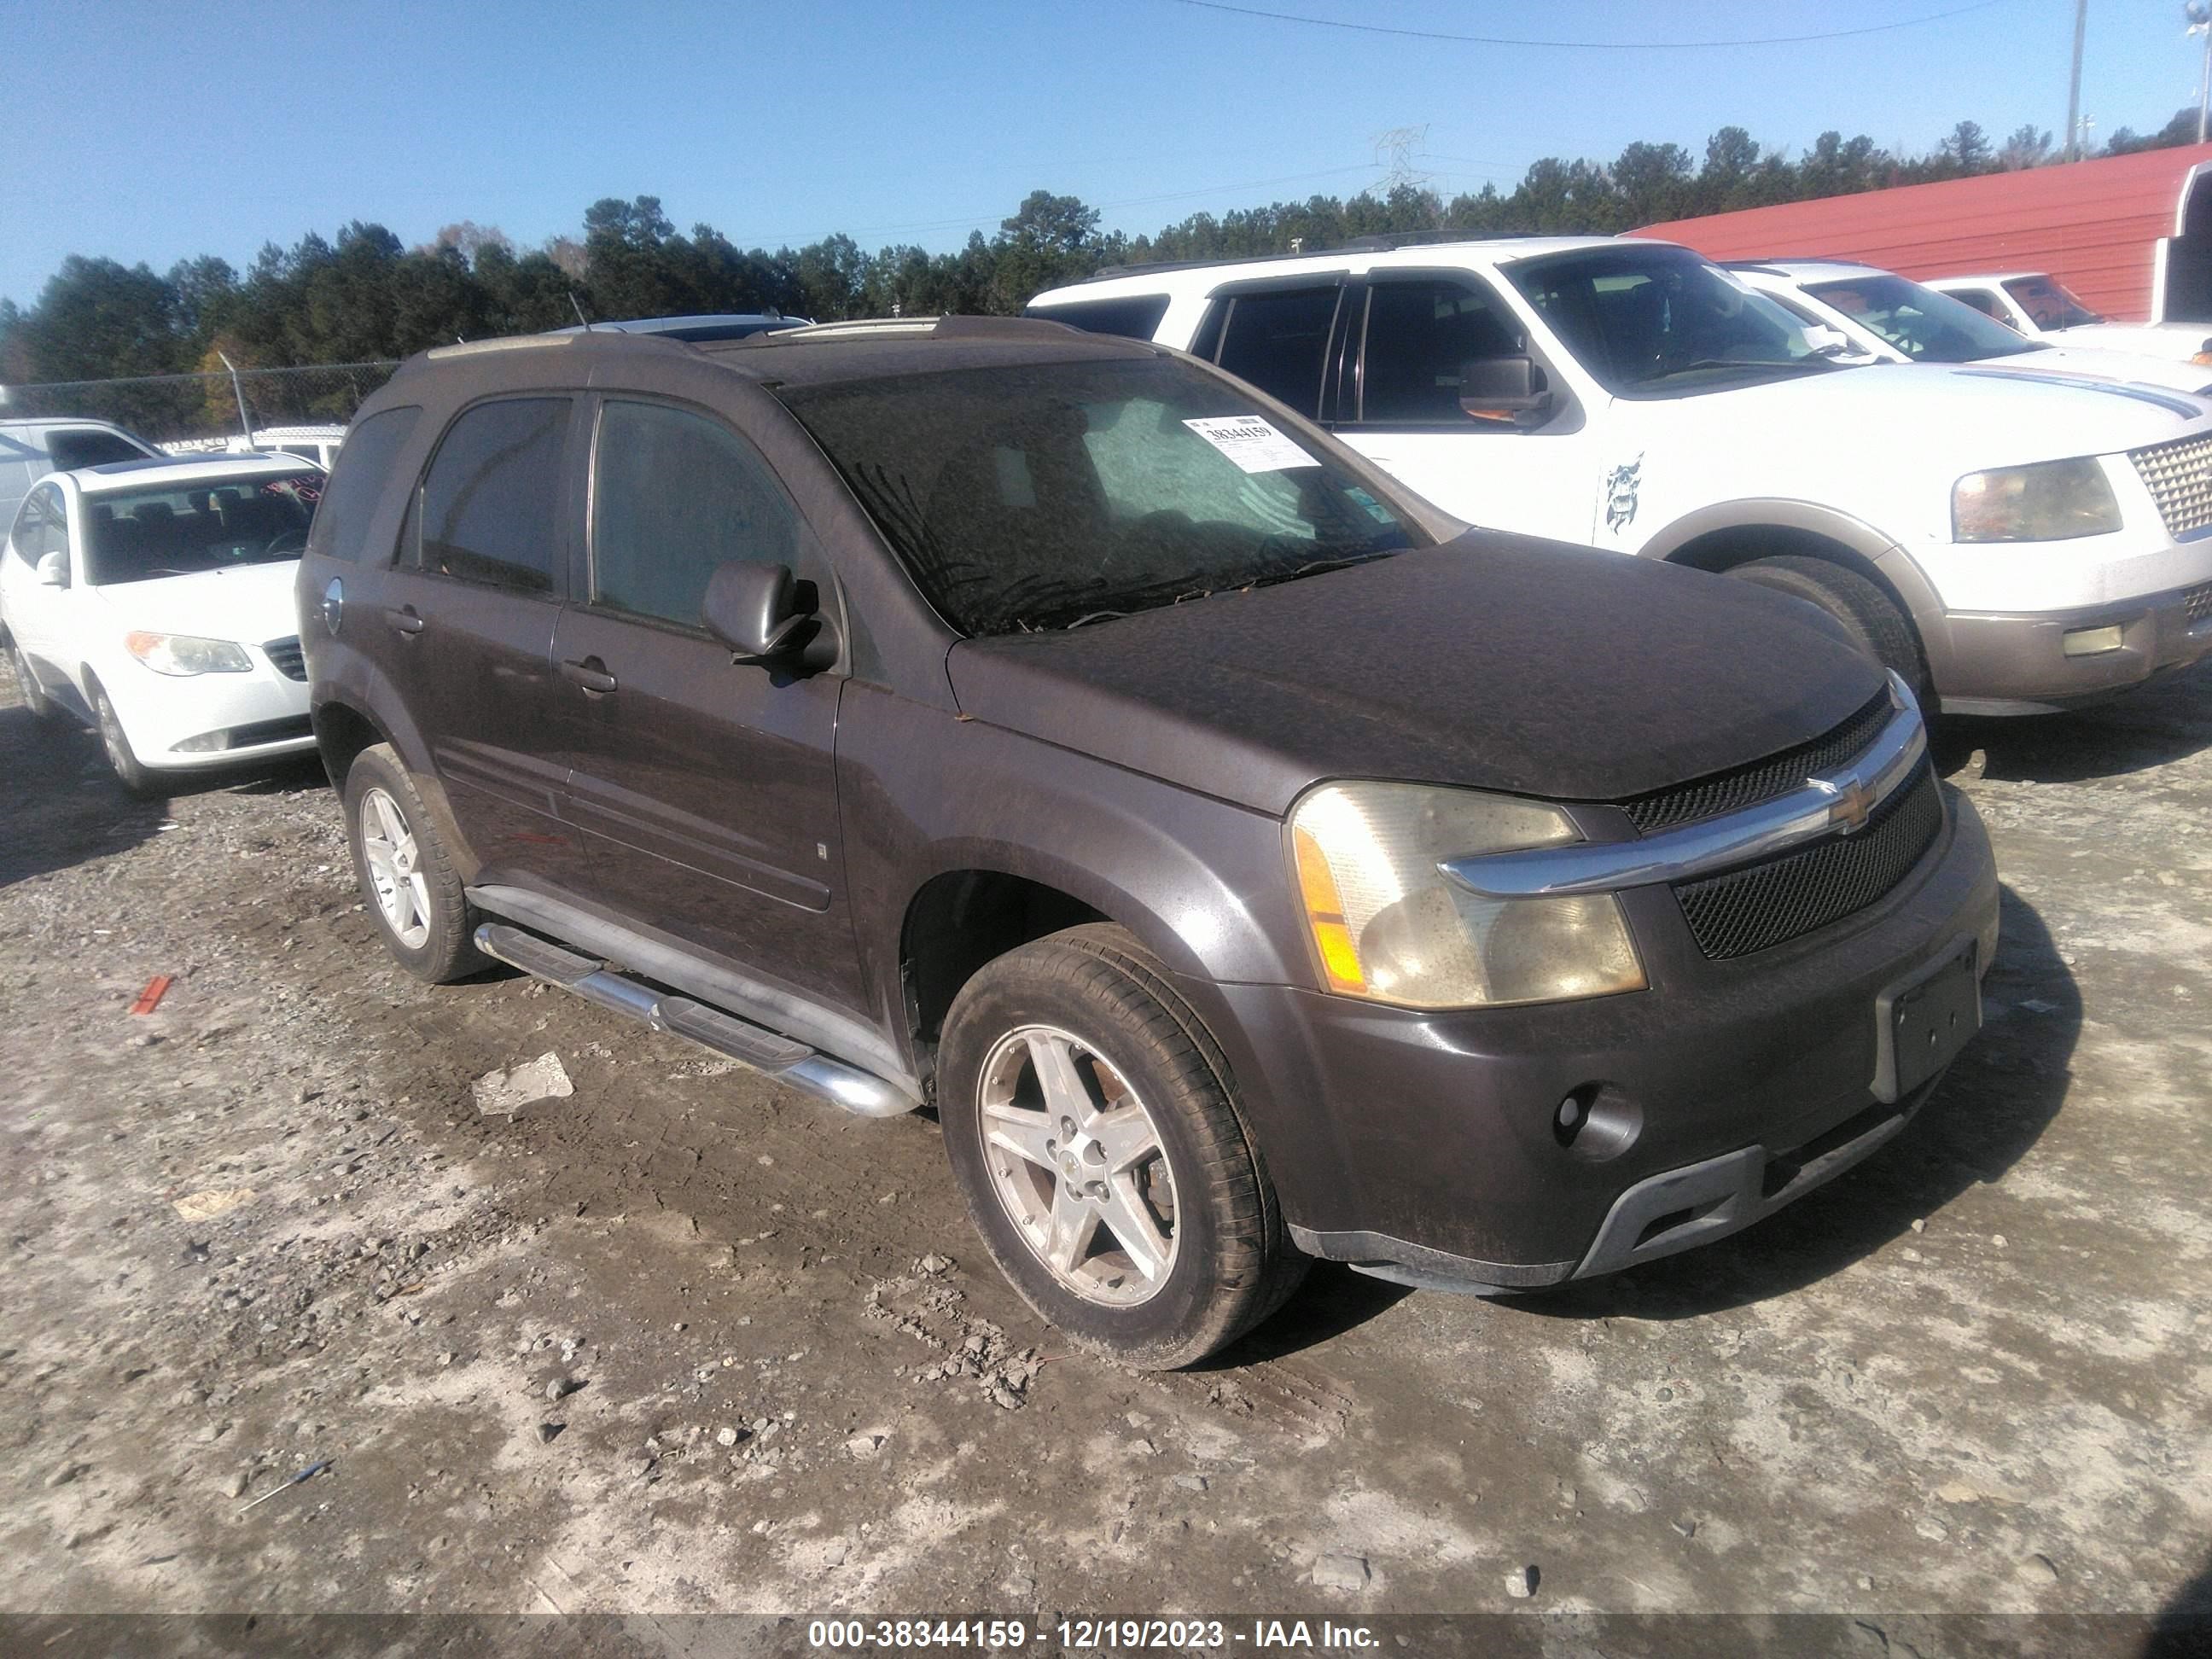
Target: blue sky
[{"x": 158, "y": 131}]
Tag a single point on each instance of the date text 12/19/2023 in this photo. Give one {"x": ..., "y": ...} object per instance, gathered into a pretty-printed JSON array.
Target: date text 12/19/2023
[{"x": 1081, "y": 1635}]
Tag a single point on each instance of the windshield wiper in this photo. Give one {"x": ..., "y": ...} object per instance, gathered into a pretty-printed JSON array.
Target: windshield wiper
[
  {"x": 1129, "y": 601},
  {"x": 1312, "y": 567}
]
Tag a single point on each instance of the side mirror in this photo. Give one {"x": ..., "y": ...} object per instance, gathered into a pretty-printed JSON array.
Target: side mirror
[
  {"x": 53, "y": 570},
  {"x": 1505, "y": 389},
  {"x": 1828, "y": 341},
  {"x": 758, "y": 610}
]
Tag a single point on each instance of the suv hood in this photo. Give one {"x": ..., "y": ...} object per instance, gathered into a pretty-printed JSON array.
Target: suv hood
[
  {"x": 248, "y": 602},
  {"x": 2174, "y": 340},
  {"x": 1497, "y": 662},
  {"x": 2102, "y": 364},
  {"x": 1960, "y": 416}
]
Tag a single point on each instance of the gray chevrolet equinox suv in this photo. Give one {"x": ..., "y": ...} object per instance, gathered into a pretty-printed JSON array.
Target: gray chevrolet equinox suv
[{"x": 1246, "y": 862}]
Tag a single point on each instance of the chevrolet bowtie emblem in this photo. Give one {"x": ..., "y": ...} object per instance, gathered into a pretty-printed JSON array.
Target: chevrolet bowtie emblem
[{"x": 1853, "y": 804}]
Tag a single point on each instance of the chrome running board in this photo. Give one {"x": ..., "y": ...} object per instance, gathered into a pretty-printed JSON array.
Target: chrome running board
[{"x": 755, "y": 1046}]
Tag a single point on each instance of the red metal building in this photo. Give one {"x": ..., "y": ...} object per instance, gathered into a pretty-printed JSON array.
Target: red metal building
[{"x": 2117, "y": 231}]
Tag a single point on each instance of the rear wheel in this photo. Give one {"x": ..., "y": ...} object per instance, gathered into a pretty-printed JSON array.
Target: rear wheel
[
  {"x": 1091, "y": 1125},
  {"x": 122, "y": 759},
  {"x": 1867, "y": 614},
  {"x": 406, "y": 873}
]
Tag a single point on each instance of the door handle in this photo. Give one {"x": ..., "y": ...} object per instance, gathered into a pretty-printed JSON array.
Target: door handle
[
  {"x": 591, "y": 673},
  {"x": 404, "y": 618}
]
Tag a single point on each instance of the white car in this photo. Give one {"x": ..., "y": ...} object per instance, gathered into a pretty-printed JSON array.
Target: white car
[
  {"x": 153, "y": 600},
  {"x": 2009, "y": 544},
  {"x": 1892, "y": 319},
  {"x": 2040, "y": 306}
]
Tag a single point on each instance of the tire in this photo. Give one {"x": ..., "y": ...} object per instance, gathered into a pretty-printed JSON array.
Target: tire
[
  {"x": 406, "y": 873},
  {"x": 1874, "y": 623},
  {"x": 115, "y": 743},
  {"x": 1182, "y": 1185},
  {"x": 26, "y": 682}
]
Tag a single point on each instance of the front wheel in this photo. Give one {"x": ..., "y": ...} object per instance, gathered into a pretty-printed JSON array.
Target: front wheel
[
  {"x": 1867, "y": 613},
  {"x": 1090, "y": 1124},
  {"x": 26, "y": 682},
  {"x": 130, "y": 771}
]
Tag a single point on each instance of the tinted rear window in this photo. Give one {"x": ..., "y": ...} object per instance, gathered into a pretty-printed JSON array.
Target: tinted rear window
[
  {"x": 358, "y": 482},
  {"x": 71, "y": 450},
  {"x": 1277, "y": 341},
  {"x": 1135, "y": 317},
  {"x": 489, "y": 504}
]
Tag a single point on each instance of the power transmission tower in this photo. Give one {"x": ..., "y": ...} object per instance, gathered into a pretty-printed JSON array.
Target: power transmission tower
[{"x": 1399, "y": 144}]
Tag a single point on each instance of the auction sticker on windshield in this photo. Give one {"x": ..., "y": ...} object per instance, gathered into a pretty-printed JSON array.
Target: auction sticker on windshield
[{"x": 1249, "y": 441}]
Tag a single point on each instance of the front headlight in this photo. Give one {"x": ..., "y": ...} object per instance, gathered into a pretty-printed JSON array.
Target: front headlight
[
  {"x": 2050, "y": 501},
  {"x": 1389, "y": 926},
  {"x": 187, "y": 654}
]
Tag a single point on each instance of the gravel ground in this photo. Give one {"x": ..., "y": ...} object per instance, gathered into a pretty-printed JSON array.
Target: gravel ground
[{"x": 681, "y": 1342}]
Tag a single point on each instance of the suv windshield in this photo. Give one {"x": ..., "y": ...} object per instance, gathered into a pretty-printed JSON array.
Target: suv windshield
[
  {"x": 1660, "y": 322},
  {"x": 2049, "y": 303},
  {"x": 1053, "y": 494},
  {"x": 137, "y": 535},
  {"x": 1926, "y": 326}
]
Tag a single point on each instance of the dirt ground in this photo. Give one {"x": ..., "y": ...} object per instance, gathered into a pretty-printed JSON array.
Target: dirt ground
[{"x": 682, "y": 1342}]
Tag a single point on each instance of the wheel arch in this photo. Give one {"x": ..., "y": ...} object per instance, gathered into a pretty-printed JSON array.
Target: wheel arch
[
  {"x": 1718, "y": 537},
  {"x": 961, "y": 919},
  {"x": 342, "y": 731},
  {"x": 346, "y": 722}
]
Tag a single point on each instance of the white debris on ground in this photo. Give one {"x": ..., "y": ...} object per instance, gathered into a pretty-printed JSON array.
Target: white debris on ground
[{"x": 502, "y": 1094}]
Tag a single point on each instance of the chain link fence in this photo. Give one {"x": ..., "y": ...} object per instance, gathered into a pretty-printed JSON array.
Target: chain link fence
[{"x": 202, "y": 410}]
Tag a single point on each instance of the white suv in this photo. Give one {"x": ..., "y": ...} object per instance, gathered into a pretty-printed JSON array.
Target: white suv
[
  {"x": 1895, "y": 320},
  {"x": 30, "y": 449},
  {"x": 2009, "y": 545},
  {"x": 2043, "y": 308}
]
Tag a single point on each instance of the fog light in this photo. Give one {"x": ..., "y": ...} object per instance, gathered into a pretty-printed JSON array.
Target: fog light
[
  {"x": 204, "y": 744},
  {"x": 2092, "y": 642},
  {"x": 1570, "y": 1114}
]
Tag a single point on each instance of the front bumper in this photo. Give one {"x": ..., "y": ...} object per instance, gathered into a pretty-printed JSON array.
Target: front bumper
[
  {"x": 191, "y": 723},
  {"x": 2019, "y": 663},
  {"x": 1424, "y": 1147}
]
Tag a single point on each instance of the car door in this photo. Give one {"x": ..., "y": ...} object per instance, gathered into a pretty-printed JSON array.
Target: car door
[
  {"x": 465, "y": 623},
  {"x": 706, "y": 788},
  {"x": 1407, "y": 334}
]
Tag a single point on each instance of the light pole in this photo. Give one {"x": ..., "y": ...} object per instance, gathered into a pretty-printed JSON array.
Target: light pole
[
  {"x": 2074, "y": 84},
  {"x": 2200, "y": 22}
]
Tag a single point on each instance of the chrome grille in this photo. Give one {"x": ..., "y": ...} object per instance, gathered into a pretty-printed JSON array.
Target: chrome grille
[
  {"x": 2199, "y": 602},
  {"x": 287, "y": 658},
  {"x": 1767, "y": 904},
  {"x": 2178, "y": 476}
]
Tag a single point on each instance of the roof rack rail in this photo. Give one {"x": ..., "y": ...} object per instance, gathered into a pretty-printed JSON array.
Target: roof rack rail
[
  {"x": 1146, "y": 267},
  {"x": 949, "y": 326}
]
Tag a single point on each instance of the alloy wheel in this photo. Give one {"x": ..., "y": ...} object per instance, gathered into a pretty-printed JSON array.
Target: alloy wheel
[
  {"x": 1076, "y": 1160},
  {"x": 389, "y": 848}
]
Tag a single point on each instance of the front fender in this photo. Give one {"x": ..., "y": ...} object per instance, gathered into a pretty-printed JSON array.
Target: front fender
[{"x": 1203, "y": 884}]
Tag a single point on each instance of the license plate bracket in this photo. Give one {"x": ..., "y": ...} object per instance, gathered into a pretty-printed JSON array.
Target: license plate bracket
[{"x": 1922, "y": 1024}]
